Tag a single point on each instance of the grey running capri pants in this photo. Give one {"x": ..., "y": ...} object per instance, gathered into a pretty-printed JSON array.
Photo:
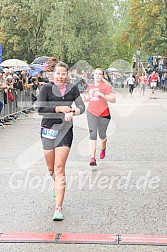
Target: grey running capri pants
[{"x": 97, "y": 124}]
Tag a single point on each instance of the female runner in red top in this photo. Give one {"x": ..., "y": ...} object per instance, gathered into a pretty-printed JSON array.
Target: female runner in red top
[{"x": 98, "y": 114}]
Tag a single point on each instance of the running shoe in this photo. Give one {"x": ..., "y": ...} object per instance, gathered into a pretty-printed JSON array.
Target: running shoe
[
  {"x": 102, "y": 154},
  {"x": 92, "y": 162},
  {"x": 53, "y": 192},
  {"x": 58, "y": 216}
]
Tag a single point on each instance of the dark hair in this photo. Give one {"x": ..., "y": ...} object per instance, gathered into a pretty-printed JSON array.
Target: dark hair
[
  {"x": 51, "y": 63},
  {"x": 33, "y": 79},
  {"x": 62, "y": 64}
]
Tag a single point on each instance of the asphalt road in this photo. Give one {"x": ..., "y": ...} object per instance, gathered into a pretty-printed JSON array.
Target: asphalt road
[{"x": 123, "y": 194}]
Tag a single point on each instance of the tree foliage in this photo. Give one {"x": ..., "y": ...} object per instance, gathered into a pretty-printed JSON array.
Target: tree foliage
[
  {"x": 148, "y": 25},
  {"x": 79, "y": 31},
  {"x": 96, "y": 31},
  {"x": 23, "y": 23}
]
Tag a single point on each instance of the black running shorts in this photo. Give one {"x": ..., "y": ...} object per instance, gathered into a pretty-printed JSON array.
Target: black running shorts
[{"x": 63, "y": 139}]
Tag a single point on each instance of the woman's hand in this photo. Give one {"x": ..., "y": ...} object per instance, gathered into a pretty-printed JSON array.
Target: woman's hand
[
  {"x": 63, "y": 109},
  {"x": 69, "y": 116},
  {"x": 86, "y": 98},
  {"x": 99, "y": 94}
]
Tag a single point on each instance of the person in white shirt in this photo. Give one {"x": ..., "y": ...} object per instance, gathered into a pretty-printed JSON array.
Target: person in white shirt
[{"x": 130, "y": 81}]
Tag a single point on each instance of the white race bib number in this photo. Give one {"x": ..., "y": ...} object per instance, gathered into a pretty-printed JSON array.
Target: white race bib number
[{"x": 49, "y": 133}]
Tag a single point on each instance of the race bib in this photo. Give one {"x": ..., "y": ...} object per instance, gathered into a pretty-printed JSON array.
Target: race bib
[{"x": 49, "y": 133}]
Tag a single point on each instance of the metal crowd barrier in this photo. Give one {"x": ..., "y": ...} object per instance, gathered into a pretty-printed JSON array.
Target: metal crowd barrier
[{"x": 22, "y": 102}]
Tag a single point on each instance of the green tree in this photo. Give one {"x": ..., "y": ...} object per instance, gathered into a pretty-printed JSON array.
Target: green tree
[
  {"x": 98, "y": 31},
  {"x": 123, "y": 48},
  {"x": 78, "y": 30},
  {"x": 22, "y": 23},
  {"x": 147, "y": 20},
  {"x": 71, "y": 30}
]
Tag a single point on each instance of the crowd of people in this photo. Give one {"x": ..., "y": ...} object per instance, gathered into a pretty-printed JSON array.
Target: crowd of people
[
  {"x": 152, "y": 80},
  {"x": 20, "y": 81},
  {"x": 23, "y": 80}
]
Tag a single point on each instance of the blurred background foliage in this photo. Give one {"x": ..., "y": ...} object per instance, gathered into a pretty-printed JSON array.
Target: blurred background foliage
[{"x": 96, "y": 31}]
